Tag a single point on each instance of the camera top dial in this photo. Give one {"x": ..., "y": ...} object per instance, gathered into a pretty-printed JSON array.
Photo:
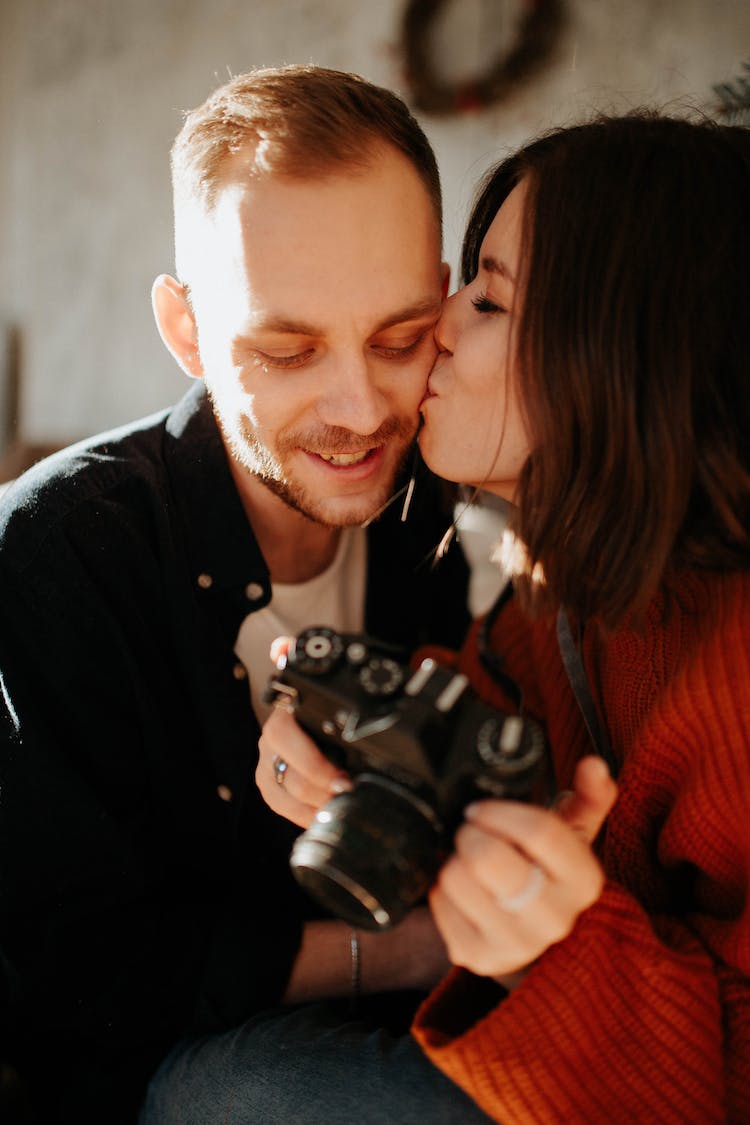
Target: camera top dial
[{"x": 317, "y": 651}]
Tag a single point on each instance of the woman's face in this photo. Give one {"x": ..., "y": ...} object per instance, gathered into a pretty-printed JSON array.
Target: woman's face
[{"x": 473, "y": 430}]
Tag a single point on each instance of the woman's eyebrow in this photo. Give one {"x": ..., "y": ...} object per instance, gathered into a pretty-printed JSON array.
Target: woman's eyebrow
[{"x": 496, "y": 265}]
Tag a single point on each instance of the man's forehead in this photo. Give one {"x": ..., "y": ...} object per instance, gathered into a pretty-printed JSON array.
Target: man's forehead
[
  {"x": 251, "y": 213},
  {"x": 291, "y": 249}
]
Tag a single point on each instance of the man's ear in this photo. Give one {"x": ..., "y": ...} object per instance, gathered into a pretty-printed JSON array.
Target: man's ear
[
  {"x": 176, "y": 323},
  {"x": 445, "y": 273}
]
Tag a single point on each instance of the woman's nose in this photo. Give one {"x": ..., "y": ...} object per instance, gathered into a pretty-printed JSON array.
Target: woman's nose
[{"x": 445, "y": 329}]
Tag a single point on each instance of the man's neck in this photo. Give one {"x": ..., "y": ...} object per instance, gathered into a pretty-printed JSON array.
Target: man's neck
[{"x": 294, "y": 547}]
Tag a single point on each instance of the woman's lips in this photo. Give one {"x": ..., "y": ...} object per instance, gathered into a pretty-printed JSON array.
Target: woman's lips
[
  {"x": 428, "y": 393},
  {"x": 432, "y": 390}
]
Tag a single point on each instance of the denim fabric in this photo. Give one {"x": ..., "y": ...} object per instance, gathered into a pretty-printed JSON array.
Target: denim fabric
[{"x": 304, "y": 1066}]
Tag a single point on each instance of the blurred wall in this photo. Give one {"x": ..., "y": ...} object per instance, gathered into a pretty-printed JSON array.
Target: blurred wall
[{"x": 92, "y": 93}]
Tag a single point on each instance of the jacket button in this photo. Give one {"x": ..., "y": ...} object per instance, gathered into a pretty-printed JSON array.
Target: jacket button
[
  {"x": 204, "y": 581},
  {"x": 254, "y": 591}
]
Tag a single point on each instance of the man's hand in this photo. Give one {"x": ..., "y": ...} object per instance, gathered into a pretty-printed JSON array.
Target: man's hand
[
  {"x": 310, "y": 780},
  {"x": 410, "y": 956}
]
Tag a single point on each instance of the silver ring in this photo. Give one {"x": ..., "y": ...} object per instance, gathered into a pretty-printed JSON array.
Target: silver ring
[
  {"x": 279, "y": 769},
  {"x": 514, "y": 904}
]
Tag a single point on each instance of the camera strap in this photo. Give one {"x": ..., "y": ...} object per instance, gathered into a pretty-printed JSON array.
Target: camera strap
[
  {"x": 571, "y": 658},
  {"x": 572, "y": 662}
]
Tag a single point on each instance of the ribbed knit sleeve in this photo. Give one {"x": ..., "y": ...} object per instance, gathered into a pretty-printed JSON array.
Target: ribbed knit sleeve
[{"x": 643, "y": 1012}]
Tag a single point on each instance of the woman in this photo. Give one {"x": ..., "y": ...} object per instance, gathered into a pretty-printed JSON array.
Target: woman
[{"x": 594, "y": 370}]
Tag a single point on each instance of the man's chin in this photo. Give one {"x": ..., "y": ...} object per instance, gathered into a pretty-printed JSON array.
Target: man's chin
[{"x": 333, "y": 511}]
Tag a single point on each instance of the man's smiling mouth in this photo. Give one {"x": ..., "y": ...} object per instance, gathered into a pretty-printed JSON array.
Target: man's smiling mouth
[{"x": 344, "y": 459}]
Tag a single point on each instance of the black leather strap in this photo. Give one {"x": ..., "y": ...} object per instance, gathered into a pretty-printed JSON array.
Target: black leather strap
[{"x": 571, "y": 658}]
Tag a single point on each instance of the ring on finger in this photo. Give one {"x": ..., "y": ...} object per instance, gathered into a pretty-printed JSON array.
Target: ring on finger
[
  {"x": 280, "y": 766},
  {"x": 514, "y": 904}
]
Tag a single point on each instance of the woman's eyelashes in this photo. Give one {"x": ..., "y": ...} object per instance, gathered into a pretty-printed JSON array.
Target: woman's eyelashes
[{"x": 483, "y": 304}]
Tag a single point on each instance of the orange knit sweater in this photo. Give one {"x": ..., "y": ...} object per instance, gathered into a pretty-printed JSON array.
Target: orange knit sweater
[{"x": 643, "y": 1012}]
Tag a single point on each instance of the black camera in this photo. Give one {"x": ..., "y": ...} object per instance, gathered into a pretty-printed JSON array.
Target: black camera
[{"x": 419, "y": 745}]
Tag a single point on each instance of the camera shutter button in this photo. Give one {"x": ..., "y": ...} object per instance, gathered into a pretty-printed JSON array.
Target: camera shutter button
[{"x": 317, "y": 650}]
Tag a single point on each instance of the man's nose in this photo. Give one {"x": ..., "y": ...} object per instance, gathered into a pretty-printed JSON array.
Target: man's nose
[{"x": 353, "y": 398}]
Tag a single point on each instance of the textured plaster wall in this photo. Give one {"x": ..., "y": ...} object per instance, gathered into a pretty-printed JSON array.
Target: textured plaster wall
[{"x": 91, "y": 95}]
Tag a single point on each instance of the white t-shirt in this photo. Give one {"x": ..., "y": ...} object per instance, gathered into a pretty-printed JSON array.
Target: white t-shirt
[{"x": 335, "y": 598}]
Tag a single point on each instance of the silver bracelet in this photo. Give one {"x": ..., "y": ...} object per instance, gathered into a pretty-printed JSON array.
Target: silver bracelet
[{"x": 356, "y": 969}]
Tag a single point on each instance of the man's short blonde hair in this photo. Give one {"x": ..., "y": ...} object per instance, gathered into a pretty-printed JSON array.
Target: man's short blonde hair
[{"x": 296, "y": 121}]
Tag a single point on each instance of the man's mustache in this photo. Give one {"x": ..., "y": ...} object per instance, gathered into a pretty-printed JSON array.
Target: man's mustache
[{"x": 337, "y": 439}]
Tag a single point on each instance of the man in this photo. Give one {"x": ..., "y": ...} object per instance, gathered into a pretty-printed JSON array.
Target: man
[{"x": 145, "y": 890}]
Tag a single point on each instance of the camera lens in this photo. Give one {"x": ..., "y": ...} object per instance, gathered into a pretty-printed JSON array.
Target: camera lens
[{"x": 370, "y": 854}]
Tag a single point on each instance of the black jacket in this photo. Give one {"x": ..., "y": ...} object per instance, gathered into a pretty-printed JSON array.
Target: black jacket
[{"x": 135, "y": 904}]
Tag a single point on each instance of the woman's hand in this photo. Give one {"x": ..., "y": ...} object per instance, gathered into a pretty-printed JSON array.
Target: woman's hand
[
  {"x": 309, "y": 780},
  {"x": 520, "y": 876}
]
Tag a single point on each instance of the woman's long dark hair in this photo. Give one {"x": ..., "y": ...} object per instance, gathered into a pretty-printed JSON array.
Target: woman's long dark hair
[{"x": 634, "y": 356}]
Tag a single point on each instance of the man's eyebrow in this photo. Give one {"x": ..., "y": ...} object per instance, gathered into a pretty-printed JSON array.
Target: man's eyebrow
[
  {"x": 284, "y": 326},
  {"x": 496, "y": 265},
  {"x": 430, "y": 307}
]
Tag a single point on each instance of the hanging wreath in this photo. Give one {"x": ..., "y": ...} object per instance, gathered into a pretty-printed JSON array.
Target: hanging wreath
[
  {"x": 538, "y": 31},
  {"x": 734, "y": 99}
]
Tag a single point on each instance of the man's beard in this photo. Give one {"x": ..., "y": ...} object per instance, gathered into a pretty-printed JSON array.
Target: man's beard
[{"x": 267, "y": 467}]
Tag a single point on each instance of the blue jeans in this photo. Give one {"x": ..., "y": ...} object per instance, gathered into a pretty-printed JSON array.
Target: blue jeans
[{"x": 304, "y": 1066}]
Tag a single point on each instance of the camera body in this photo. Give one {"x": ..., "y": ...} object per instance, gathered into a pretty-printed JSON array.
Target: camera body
[{"x": 418, "y": 745}]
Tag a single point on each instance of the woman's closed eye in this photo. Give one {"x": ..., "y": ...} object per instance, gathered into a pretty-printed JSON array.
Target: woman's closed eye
[{"x": 483, "y": 304}]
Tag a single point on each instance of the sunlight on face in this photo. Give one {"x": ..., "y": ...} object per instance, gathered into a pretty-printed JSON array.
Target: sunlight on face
[{"x": 315, "y": 302}]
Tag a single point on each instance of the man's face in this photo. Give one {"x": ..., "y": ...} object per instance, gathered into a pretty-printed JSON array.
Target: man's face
[{"x": 315, "y": 305}]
